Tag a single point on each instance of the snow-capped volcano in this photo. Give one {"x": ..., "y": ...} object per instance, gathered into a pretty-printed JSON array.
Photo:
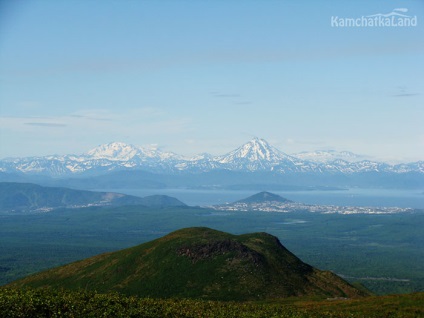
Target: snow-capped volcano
[
  {"x": 118, "y": 151},
  {"x": 254, "y": 150},
  {"x": 256, "y": 154}
]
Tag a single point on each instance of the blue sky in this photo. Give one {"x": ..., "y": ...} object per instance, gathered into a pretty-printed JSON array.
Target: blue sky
[{"x": 207, "y": 76}]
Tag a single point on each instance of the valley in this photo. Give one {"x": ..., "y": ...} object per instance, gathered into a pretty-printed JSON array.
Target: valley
[
  {"x": 378, "y": 248},
  {"x": 353, "y": 245}
]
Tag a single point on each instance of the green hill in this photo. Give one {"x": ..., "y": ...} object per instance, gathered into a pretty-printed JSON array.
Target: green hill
[
  {"x": 198, "y": 263},
  {"x": 262, "y": 197},
  {"x": 29, "y": 197}
]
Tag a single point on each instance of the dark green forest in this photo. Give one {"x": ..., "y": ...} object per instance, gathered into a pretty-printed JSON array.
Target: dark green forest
[{"x": 382, "y": 252}]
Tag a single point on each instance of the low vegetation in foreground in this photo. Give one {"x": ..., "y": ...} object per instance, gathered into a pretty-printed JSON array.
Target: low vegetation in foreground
[{"x": 64, "y": 303}]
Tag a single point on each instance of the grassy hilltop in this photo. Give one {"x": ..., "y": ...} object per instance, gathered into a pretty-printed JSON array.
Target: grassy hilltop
[
  {"x": 198, "y": 272},
  {"x": 199, "y": 263}
]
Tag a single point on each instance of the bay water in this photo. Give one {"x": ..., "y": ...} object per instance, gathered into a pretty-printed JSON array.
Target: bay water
[{"x": 351, "y": 197}]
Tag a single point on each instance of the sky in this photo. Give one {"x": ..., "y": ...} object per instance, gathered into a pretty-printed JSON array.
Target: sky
[{"x": 207, "y": 76}]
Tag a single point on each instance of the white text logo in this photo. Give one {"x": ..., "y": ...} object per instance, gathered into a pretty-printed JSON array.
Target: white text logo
[{"x": 396, "y": 18}]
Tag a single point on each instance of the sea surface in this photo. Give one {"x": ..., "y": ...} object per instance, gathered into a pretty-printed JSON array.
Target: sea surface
[{"x": 351, "y": 197}]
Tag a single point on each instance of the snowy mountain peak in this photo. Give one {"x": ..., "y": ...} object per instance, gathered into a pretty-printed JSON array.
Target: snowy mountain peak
[
  {"x": 258, "y": 149},
  {"x": 119, "y": 151},
  {"x": 255, "y": 150},
  {"x": 114, "y": 151},
  {"x": 255, "y": 155}
]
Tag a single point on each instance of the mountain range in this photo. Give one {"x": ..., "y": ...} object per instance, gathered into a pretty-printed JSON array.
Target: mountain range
[
  {"x": 28, "y": 197},
  {"x": 256, "y": 155}
]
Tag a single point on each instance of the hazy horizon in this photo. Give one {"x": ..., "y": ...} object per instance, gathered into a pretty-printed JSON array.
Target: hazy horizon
[{"x": 194, "y": 77}]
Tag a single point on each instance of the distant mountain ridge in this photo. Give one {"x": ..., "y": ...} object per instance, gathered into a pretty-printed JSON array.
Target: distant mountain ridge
[
  {"x": 27, "y": 197},
  {"x": 254, "y": 156},
  {"x": 323, "y": 156}
]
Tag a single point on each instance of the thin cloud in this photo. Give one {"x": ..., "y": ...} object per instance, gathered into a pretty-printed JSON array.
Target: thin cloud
[
  {"x": 90, "y": 117},
  {"x": 403, "y": 91},
  {"x": 237, "y": 99},
  {"x": 243, "y": 103},
  {"x": 406, "y": 95},
  {"x": 93, "y": 114},
  {"x": 225, "y": 95},
  {"x": 53, "y": 125}
]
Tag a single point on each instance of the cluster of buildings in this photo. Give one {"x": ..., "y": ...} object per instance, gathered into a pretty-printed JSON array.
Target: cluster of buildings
[{"x": 285, "y": 207}]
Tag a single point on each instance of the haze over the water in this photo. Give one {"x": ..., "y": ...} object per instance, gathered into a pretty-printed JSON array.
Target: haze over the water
[{"x": 207, "y": 76}]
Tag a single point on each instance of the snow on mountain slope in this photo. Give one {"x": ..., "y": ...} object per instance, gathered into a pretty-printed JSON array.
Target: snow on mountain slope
[
  {"x": 114, "y": 151},
  {"x": 329, "y": 155},
  {"x": 255, "y": 155},
  {"x": 119, "y": 151},
  {"x": 255, "y": 150}
]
